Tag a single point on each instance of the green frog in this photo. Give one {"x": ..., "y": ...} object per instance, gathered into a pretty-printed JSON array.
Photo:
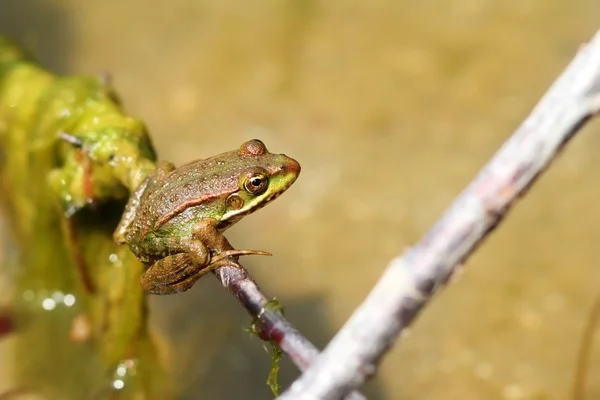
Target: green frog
[{"x": 175, "y": 219}]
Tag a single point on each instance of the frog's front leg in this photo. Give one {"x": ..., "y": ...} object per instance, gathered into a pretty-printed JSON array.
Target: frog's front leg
[{"x": 207, "y": 232}]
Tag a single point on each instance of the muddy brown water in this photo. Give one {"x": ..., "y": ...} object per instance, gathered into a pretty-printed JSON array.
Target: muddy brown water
[{"x": 391, "y": 107}]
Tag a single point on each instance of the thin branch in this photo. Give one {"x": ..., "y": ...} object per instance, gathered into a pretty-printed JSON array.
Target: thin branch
[
  {"x": 585, "y": 351},
  {"x": 411, "y": 280},
  {"x": 271, "y": 323}
]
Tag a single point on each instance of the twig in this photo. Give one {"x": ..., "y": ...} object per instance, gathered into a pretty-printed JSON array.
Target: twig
[
  {"x": 411, "y": 280},
  {"x": 585, "y": 351},
  {"x": 271, "y": 324}
]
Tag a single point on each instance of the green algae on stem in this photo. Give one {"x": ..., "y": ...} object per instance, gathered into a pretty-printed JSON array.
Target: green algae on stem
[
  {"x": 255, "y": 328},
  {"x": 70, "y": 156}
]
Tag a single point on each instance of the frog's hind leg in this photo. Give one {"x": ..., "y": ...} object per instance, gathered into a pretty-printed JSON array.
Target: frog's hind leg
[
  {"x": 175, "y": 274},
  {"x": 184, "y": 258},
  {"x": 186, "y": 275},
  {"x": 178, "y": 272},
  {"x": 169, "y": 275}
]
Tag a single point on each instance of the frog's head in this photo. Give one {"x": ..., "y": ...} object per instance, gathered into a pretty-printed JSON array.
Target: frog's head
[{"x": 262, "y": 178}]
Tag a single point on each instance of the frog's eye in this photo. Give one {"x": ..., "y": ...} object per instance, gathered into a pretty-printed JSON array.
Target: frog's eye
[{"x": 256, "y": 183}]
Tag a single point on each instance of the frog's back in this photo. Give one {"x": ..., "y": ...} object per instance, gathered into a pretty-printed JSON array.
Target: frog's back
[{"x": 194, "y": 184}]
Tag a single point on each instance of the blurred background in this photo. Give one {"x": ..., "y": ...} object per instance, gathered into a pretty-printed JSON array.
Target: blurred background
[{"x": 391, "y": 107}]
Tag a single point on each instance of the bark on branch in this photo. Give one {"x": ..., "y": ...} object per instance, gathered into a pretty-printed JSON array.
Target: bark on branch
[{"x": 271, "y": 324}]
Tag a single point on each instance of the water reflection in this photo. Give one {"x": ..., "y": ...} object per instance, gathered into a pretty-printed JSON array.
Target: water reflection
[
  {"x": 124, "y": 370},
  {"x": 49, "y": 301}
]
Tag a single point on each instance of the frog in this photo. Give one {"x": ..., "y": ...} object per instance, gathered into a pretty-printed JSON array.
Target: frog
[{"x": 175, "y": 220}]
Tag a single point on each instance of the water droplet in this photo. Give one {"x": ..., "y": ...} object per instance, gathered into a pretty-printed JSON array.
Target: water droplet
[
  {"x": 121, "y": 370},
  {"x": 69, "y": 300},
  {"x": 48, "y": 304},
  {"x": 124, "y": 370}
]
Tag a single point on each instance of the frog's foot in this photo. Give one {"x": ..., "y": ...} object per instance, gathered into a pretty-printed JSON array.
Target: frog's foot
[{"x": 235, "y": 253}]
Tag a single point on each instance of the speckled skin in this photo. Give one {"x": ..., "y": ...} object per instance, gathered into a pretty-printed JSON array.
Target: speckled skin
[{"x": 177, "y": 215}]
